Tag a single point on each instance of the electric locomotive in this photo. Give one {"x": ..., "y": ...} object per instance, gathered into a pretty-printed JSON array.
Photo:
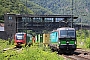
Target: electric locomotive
[
  {"x": 22, "y": 39},
  {"x": 67, "y": 39},
  {"x": 64, "y": 39}
]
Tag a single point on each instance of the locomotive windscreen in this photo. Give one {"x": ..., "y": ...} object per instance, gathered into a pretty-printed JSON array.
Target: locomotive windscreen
[
  {"x": 19, "y": 36},
  {"x": 67, "y": 33}
]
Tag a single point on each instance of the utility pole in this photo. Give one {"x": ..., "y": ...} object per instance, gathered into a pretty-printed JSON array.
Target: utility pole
[
  {"x": 17, "y": 25},
  {"x": 72, "y": 15},
  {"x": 26, "y": 23},
  {"x": 26, "y": 7}
]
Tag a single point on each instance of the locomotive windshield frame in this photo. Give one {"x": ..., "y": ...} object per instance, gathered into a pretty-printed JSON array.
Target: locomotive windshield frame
[{"x": 67, "y": 33}]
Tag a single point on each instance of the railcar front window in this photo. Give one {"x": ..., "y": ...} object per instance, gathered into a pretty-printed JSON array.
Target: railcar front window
[{"x": 19, "y": 36}]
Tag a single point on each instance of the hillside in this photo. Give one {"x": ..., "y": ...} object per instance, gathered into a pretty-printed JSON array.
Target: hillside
[
  {"x": 56, "y": 6},
  {"x": 12, "y": 6},
  {"x": 37, "y": 9}
]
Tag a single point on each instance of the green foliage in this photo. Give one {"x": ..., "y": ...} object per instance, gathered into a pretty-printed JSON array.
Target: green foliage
[
  {"x": 87, "y": 43},
  {"x": 12, "y": 42},
  {"x": 31, "y": 32},
  {"x": 12, "y": 6},
  {"x": 35, "y": 53},
  {"x": 58, "y": 6},
  {"x": 8, "y": 54},
  {"x": 83, "y": 39},
  {"x": 82, "y": 33},
  {"x": 4, "y": 44},
  {"x": 1, "y": 21},
  {"x": 37, "y": 9},
  {"x": 1, "y": 56}
]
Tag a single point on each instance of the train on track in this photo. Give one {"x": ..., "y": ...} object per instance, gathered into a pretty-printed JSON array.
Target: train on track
[
  {"x": 22, "y": 39},
  {"x": 64, "y": 39}
]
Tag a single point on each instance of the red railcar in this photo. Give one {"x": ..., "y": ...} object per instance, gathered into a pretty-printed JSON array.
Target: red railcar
[{"x": 20, "y": 38}]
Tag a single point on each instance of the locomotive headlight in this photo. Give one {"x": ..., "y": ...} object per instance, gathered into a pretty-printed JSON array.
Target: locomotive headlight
[
  {"x": 67, "y": 42},
  {"x": 58, "y": 42},
  {"x": 75, "y": 42}
]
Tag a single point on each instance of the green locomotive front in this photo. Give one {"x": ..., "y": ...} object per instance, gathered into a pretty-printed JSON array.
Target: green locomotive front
[{"x": 67, "y": 39}]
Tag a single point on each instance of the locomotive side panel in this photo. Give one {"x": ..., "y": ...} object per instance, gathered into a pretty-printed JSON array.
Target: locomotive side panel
[
  {"x": 54, "y": 37},
  {"x": 54, "y": 41}
]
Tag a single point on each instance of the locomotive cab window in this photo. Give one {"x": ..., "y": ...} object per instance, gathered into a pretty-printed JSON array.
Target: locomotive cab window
[
  {"x": 67, "y": 33},
  {"x": 71, "y": 33},
  {"x": 19, "y": 36},
  {"x": 63, "y": 33}
]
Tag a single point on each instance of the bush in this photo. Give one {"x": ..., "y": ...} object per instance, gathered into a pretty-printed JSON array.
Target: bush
[
  {"x": 37, "y": 53},
  {"x": 87, "y": 43},
  {"x": 83, "y": 38}
]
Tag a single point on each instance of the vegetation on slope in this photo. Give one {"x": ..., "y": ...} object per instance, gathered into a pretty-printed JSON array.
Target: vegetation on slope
[
  {"x": 12, "y": 6},
  {"x": 37, "y": 9},
  {"x": 57, "y": 5}
]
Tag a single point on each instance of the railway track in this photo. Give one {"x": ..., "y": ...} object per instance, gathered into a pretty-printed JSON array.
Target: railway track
[
  {"x": 79, "y": 54},
  {"x": 13, "y": 48},
  {"x": 10, "y": 52},
  {"x": 83, "y": 51},
  {"x": 76, "y": 57}
]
